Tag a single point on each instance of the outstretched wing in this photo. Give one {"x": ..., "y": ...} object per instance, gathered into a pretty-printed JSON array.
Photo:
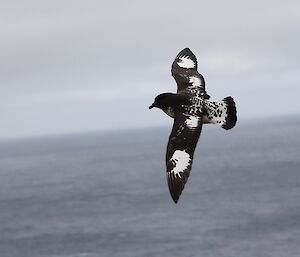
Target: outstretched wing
[
  {"x": 180, "y": 150},
  {"x": 184, "y": 71}
]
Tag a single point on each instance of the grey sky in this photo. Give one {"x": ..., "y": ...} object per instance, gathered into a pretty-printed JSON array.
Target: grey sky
[{"x": 71, "y": 66}]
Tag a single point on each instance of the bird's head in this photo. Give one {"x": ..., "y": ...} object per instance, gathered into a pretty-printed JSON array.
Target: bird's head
[
  {"x": 165, "y": 100},
  {"x": 161, "y": 101}
]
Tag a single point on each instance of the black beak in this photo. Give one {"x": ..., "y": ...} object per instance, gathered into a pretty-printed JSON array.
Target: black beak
[{"x": 151, "y": 106}]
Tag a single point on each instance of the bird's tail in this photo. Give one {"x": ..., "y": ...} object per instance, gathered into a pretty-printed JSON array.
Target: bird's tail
[{"x": 221, "y": 112}]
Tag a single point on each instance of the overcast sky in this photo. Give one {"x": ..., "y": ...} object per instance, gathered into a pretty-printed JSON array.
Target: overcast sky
[{"x": 72, "y": 66}]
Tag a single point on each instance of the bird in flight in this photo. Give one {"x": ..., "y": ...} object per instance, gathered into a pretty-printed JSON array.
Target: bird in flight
[{"x": 190, "y": 108}]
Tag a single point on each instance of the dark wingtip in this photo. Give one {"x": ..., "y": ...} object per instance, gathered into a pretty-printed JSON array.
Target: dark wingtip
[
  {"x": 187, "y": 51},
  {"x": 231, "y": 113},
  {"x": 172, "y": 183},
  {"x": 175, "y": 197},
  {"x": 176, "y": 185},
  {"x": 175, "y": 200}
]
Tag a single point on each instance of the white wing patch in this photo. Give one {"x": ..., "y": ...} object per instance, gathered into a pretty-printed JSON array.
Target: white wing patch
[
  {"x": 186, "y": 62},
  {"x": 196, "y": 82},
  {"x": 181, "y": 159},
  {"x": 192, "y": 122}
]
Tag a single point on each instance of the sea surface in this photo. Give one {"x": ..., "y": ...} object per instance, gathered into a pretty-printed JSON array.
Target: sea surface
[{"x": 106, "y": 194}]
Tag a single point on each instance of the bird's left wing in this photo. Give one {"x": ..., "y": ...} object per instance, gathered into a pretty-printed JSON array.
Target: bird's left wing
[{"x": 180, "y": 150}]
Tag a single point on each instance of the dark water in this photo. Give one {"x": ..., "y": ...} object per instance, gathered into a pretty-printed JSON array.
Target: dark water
[{"x": 106, "y": 195}]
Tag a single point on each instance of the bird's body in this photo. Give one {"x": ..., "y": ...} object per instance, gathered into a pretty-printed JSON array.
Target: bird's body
[{"x": 190, "y": 107}]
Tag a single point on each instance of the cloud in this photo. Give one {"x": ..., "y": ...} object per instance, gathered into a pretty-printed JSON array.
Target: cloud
[{"x": 82, "y": 56}]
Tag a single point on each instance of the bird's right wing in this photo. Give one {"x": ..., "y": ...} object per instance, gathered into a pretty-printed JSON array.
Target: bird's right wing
[
  {"x": 184, "y": 71},
  {"x": 180, "y": 150}
]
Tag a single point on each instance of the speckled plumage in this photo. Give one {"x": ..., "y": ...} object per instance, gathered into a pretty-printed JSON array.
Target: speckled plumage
[{"x": 190, "y": 108}]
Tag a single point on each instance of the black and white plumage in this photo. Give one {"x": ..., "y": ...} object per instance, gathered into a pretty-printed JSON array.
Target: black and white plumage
[{"x": 190, "y": 108}]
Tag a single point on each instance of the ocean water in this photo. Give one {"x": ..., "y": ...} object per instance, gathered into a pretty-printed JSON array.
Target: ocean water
[{"x": 106, "y": 195}]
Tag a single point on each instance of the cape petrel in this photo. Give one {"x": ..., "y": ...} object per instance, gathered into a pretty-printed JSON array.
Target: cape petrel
[{"x": 190, "y": 108}]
